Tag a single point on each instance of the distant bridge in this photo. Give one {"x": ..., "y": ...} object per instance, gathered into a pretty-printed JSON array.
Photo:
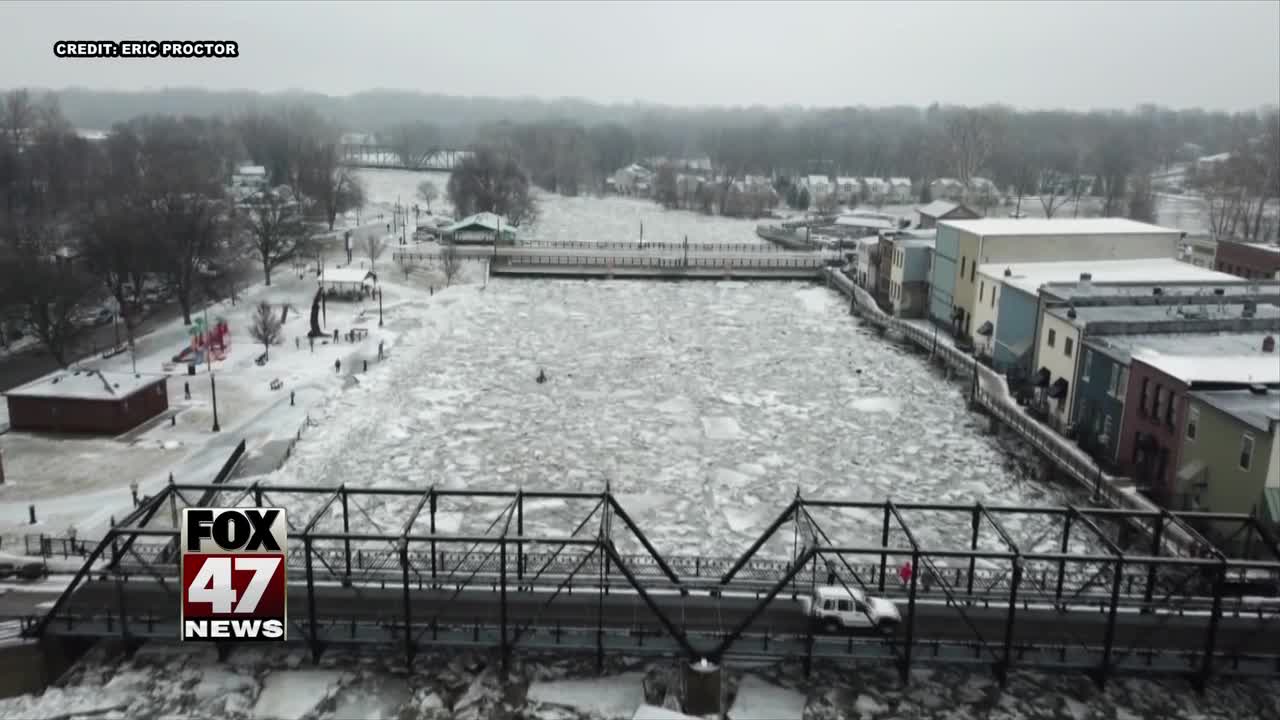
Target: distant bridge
[{"x": 383, "y": 156}]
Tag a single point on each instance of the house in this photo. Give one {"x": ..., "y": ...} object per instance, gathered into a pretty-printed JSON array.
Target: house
[
  {"x": 633, "y": 179},
  {"x": 1010, "y": 299},
  {"x": 1248, "y": 260},
  {"x": 981, "y": 192},
  {"x": 87, "y": 401},
  {"x": 874, "y": 190},
  {"x": 962, "y": 245},
  {"x": 1063, "y": 330},
  {"x": 848, "y": 190},
  {"x": 867, "y": 266},
  {"x": 861, "y": 224},
  {"x": 481, "y": 229},
  {"x": 248, "y": 180},
  {"x": 1103, "y": 385},
  {"x": 909, "y": 276},
  {"x": 942, "y": 210},
  {"x": 900, "y": 190},
  {"x": 1155, "y": 404},
  {"x": 1230, "y": 459},
  {"x": 947, "y": 189},
  {"x": 820, "y": 186}
]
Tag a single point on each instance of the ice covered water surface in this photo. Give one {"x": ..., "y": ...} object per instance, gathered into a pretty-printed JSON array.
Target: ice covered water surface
[{"x": 708, "y": 404}]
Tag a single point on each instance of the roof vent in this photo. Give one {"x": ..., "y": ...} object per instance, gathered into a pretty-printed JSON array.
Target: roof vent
[
  {"x": 1008, "y": 272},
  {"x": 1219, "y": 291},
  {"x": 1157, "y": 291},
  {"x": 1258, "y": 389},
  {"x": 1269, "y": 344},
  {"x": 1071, "y": 313}
]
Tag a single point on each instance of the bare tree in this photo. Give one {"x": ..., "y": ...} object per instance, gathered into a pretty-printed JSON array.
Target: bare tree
[
  {"x": 50, "y": 290},
  {"x": 450, "y": 262},
  {"x": 486, "y": 181},
  {"x": 428, "y": 192},
  {"x": 266, "y": 327},
  {"x": 275, "y": 230},
  {"x": 330, "y": 185},
  {"x": 407, "y": 262},
  {"x": 19, "y": 116},
  {"x": 970, "y": 139},
  {"x": 114, "y": 252},
  {"x": 374, "y": 246},
  {"x": 1142, "y": 199}
]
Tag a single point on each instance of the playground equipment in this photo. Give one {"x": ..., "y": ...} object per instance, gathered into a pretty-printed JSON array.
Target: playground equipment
[{"x": 206, "y": 342}]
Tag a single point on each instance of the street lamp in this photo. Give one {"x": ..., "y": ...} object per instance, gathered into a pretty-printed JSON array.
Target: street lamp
[
  {"x": 133, "y": 490},
  {"x": 379, "y": 306},
  {"x": 213, "y": 384}
]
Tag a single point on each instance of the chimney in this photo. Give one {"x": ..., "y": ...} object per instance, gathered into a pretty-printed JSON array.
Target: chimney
[
  {"x": 1071, "y": 313},
  {"x": 1250, "y": 308},
  {"x": 1269, "y": 344},
  {"x": 1086, "y": 281},
  {"x": 1008, "y": 272}
]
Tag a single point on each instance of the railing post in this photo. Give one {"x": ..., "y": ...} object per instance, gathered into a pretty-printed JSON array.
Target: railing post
[
  {"x": 884, "y": 543},
  {"x": 1211, "y": 637},
  {"x": 408, "y": 616},
  {"x": 520, "y": 543},
  {"x": 502, "y": 558},
  {"x": 973, "y": 545},
  {"x": 120, "y": 601},
  {"x": 905, "y": 669},
  {"x": 1007, "y": 660},
  {"x": 1151, "y": 567},
  {"x": 1062, "y": 562},
  {"x": 346, "y": 541},
  {"x": 1110, "y": 637},
  {"x": 312, "y": 630},
  {"x": 432, "y": 503}
]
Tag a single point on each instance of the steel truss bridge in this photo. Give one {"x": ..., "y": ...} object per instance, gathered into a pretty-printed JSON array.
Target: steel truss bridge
[
  {"x": 385, "y": 156},
  {"x": 600, "y": 585}
]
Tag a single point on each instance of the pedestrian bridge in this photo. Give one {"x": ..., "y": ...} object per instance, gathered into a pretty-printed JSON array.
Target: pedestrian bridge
[{"x": 1130, "y": 604}]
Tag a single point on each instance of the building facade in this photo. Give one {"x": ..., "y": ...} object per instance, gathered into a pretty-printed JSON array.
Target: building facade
[
  {"x": 909, "y": 277},
  {"x": 930, "y": 214},
  {"x": 1253, "y": 261},
  {"x": 87, "y": 402},
  {"x": 1230, "y": 452}
]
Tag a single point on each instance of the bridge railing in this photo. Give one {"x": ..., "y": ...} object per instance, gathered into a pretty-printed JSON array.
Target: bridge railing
[
  {"x": 657, "y": 262},
  {"x": 692, "y": 248}
]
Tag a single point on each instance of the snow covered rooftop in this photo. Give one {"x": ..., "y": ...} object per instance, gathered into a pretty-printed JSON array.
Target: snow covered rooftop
[
  {"x": 995, "y": 227},
  {"x": 937, "y": 208},
  {"x": 1122, "y": 347},
  {"x": 915, "y": 242},
  {"x": 251, "y": 170},
  {"x": 1157, "y": 313},
  {"x": 1028, "y": 277},
  {"x": 1258, "y": 410},
  {"x": 486, "y": 220},
  {"x": 1265, "y": 246},
  {"x": 347, "y": 275},
  {"x": 1256, "y": 367},
  {"x": 866, "y": 221},
  {"x": 1234, "y": 287},
  {"x": 86, "y": 385}
]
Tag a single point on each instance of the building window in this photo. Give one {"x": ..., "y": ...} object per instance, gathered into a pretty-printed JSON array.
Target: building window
[
  {"x": 1246, "y": 451},
  {"x": 1193, "y": 419},
  {"x": 1067, "y": 344},
  {"x": 1088, "y": 360},
  {"x": 993, "y": 297},
  {"x": 1170, "y": 409},
  {"x": 1145, "y": 409},
  {"x": 962, "y": 266},
  {"x": 982, "y": 291},
  {"x": 1158, "y": 404},
  {"x": 973, "y": 269},
  {"x": 1115, "y": 376},
  {"x": 1106, "y": 427},
  {"x": 1053, "y": 337}
]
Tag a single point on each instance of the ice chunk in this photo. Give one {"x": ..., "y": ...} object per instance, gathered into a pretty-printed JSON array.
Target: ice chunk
[
  {"x": 617, "y": 696},
  {"x": 291, "y": 694},
  {"x": 876, "y": 404},
  {"x": 721, "y": 428},
  {"x": 758, "y": 700}
]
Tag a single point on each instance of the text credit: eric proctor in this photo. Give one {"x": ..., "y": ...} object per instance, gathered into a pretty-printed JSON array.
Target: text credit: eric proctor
[{"x": 146, "y": 49}]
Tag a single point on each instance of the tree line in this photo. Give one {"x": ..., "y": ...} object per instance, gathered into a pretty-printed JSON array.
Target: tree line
[{"x": 150, "y": 207}]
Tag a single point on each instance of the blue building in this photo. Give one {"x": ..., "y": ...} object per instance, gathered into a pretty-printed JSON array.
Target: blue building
[
  {"x": 942, "y": 282},
  {"x": 1015, "y": 334}
]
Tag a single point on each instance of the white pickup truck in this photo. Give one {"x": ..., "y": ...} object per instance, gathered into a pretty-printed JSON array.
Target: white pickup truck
[{"x": 834, "y": 609}]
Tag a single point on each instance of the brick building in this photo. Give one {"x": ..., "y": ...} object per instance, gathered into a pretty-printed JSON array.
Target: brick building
[{"x": 87, "y": 401}]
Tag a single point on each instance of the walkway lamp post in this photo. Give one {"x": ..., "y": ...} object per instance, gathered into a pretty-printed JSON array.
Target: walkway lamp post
[
  {"x": 379, "y": 306},
  {"x": 133, "y": 490}
]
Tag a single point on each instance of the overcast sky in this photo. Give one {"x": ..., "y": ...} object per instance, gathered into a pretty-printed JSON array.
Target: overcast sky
[{"x": 1221, "y": 55}]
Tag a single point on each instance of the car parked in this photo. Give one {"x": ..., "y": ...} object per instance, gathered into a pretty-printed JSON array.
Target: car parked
[{"x": 834, "y": 609}]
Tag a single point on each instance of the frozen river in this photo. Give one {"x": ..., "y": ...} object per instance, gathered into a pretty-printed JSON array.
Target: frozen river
[{"x": 705, "y": 406}]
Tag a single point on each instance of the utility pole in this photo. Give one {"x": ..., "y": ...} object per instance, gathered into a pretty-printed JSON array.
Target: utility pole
[{"x": 208, "y": 360}]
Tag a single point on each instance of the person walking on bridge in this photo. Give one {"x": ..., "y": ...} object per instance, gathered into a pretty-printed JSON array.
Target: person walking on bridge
[{"x": 904, "y": 573}]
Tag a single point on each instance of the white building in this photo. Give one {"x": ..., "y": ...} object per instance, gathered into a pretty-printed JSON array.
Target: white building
[
  {"x": 633, "y": 179},
  {"x": 819, "y": 186},
  {"x": 248, "y": 180},
  {"x": 900, "y": 190},
  {"x": 947, "y": 189}
]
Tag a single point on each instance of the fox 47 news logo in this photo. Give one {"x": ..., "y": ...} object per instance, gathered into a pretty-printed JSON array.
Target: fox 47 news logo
[{"x": 233, "y": 574}]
